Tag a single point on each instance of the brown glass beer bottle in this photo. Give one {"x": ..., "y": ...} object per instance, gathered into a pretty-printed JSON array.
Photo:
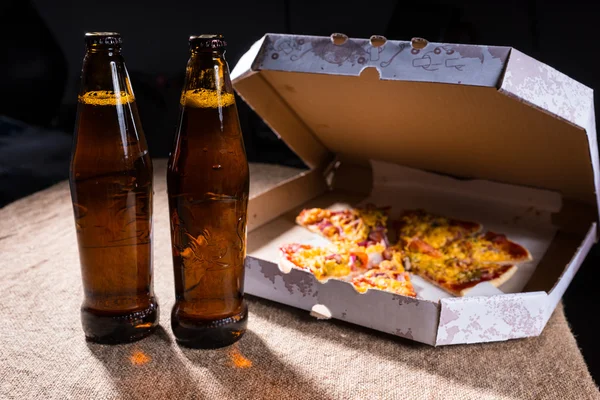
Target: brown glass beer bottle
[
  {"x": 207, "y": 182},
  {"x": 111, "y": 189}
]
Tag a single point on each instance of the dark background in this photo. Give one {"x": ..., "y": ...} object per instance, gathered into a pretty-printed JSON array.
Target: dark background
[{"x": 42, "y": 48}]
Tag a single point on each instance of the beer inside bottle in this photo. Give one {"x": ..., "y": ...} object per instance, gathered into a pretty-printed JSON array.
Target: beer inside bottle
[
  {"x": 111, "y": 189},
  {"x": 207, "y": 183}
]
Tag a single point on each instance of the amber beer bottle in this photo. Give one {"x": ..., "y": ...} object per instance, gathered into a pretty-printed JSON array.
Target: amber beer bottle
[
  {"x": 111, "y": 189},
  {"x": 207, "y": 182}
]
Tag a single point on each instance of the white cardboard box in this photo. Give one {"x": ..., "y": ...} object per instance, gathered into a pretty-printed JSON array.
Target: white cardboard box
[{"x": 476, "y": 132}]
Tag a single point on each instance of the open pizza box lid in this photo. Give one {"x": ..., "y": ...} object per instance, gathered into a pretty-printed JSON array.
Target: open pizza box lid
[{"x": 475, "y": 132}]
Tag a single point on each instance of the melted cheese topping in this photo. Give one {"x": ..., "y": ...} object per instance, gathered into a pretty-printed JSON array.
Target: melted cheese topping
[
  {"x": 372, "y": 216},
  {"x": 327, "y": 262},
  {"x": 451, "y": 270},
  {"x": 481, "y": 249},
  {"x": 390, "y": 281},
  {"x": 396, "y": 263},
  {"x": 435, "y": 230},
  {"x": 312, "y": 216},
  {"x": 438, "y": 237},
  {"x": 375, "y": 248},
  {"x": 351, "y": 226}
]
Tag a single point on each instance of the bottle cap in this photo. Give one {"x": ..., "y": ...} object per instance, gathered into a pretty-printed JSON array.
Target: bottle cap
[
  {"x": 103, "y": 39},
  {"x": 214, "y": 42}
]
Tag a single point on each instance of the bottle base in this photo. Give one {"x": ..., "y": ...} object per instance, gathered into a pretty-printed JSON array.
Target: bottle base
[
  {"x": 109, "y": 328},
  {"x": 203, "y": 334}
]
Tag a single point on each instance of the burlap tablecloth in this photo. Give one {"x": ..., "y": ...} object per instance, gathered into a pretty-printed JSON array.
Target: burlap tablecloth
[{"x": 286, "y": 354}]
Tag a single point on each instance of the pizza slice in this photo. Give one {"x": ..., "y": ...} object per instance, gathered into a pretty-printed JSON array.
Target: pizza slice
[
  {"x": 488, "y": 247},
  {"x": 349, "y": 264},
  {"x": 458, "y": 276},
  {"x": 389, "y": 280},
  {"x": 431, "y": 229},
  {"x": 361, "y": 226},
  {"x": 393, "y": 258},
  {"x": 450, "y": 253},
  {"x": 324, "y": 262}
]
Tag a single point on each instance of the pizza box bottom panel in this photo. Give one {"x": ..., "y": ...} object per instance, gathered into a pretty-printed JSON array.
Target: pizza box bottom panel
[{"x": 435, "y": 317}]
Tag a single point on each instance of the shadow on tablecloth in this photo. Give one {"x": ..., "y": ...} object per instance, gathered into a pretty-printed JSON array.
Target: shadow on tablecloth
[
  {"x": 250, "y": 370},
  {"x": 156, "y": 368},
  {"x": 141, "y": 369}
]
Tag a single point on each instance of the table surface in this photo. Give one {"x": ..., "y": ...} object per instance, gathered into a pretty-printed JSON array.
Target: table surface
[{"x": 286, "y": 354}]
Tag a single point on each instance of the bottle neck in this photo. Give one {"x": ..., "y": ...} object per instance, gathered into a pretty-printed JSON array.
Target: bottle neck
[
  {"x": 207, "y": 80},
  {"x": 108, "y": 50},
  {"x": 104, "y": 77}
]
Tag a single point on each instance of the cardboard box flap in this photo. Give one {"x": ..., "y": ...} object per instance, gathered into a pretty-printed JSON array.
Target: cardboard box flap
[{"x": 468, "y": 111}]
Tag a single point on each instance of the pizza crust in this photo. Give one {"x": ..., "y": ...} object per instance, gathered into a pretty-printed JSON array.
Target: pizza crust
[
  {"x": 521, "y": 249},
  {"x": 314, "y": 229},
  {"x": 496, "y": 282},
  {"x": 285, "y": 265},
  {"x": 517, "y": 253},
  {"x": 528, "y": 256},
  {"x": 428, "y": 279}
]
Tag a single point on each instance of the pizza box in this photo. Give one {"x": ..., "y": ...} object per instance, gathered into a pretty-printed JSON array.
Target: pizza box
[{"x": 481, "y": 133}]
